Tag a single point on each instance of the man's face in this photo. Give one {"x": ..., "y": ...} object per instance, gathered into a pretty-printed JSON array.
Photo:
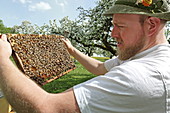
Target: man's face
[{"x": 129, "y": 35}]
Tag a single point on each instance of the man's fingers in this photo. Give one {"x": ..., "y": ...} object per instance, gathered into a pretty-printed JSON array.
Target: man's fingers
[
  {"x": 4, "y": 37},
  {"x": 64, "y": 39}
]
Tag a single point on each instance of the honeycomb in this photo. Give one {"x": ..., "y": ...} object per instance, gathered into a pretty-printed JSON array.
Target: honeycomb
[{"x": 43, "y": 58}]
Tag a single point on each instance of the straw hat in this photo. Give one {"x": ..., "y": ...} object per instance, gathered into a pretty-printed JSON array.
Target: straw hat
[{"x": 154, "y": 8}]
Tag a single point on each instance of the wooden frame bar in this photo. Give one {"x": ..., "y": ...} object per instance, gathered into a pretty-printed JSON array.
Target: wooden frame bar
[{"x": 42, "y": 58}]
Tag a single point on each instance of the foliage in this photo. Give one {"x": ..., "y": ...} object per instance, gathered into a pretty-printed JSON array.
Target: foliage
[
  {"x": 91, "y": 30},
  {"x": 167, "y": 32},
  {"x": 25, "y": 28},
  {"x": 4, "y": 29}
]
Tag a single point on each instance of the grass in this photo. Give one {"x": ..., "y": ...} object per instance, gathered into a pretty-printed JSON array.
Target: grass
[
  {"x": 77, "y": 76},
  {"x": 101, "y": 58}
]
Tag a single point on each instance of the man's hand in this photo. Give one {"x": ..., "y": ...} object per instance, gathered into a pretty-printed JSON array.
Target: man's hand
[
  {"x": 5, "y": 48},
  {"x": 92, "y": 65},
  {"x": 69, "y": 46}
]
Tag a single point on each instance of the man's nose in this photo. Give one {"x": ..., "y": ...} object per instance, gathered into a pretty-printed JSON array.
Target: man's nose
[{"x": 115, "y": 32}]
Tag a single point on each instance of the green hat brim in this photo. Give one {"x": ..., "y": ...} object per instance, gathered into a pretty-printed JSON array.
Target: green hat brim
[{"x": 125, "y": 9}]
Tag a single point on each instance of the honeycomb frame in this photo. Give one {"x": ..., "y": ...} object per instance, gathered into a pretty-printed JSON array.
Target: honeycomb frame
[{"x": 42, "y": 58}]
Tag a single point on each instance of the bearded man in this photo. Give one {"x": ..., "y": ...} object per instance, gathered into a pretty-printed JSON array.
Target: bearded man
[{"x": 137, "y": 81}]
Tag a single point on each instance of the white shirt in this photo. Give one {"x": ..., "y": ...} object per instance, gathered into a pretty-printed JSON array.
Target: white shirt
[{"x": 138, "y": 85}]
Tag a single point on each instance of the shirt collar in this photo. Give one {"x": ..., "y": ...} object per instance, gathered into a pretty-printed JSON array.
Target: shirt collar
[{"x": 144, "y": 53}]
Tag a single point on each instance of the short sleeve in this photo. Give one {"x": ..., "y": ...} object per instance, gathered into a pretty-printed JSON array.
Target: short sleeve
[
  {"x": 124, "y": 89},
  {"x": 111, "y": 63}
]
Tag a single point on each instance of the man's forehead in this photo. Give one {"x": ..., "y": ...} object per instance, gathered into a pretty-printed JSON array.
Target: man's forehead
[{"x": 125, "y": 17}]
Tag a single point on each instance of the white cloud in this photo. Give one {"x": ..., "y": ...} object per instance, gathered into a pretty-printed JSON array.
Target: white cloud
[
  {"x": 62, "y": 4},
  {"x": 41, "y": 6},
  {"x": 23, "y": 1}
]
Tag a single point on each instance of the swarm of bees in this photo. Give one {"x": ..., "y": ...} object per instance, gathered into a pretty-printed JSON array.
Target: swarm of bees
[{"x": 42, "y": 58}]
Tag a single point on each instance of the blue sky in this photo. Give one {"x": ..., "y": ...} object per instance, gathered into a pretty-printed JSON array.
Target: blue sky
[{"x": 13, "y": 12}]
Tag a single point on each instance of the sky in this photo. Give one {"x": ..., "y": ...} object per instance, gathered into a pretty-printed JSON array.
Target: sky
[{"x": 14, "y": 12}]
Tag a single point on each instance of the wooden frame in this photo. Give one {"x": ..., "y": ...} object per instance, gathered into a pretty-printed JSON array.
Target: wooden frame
[{"x": 42, "y": 58}]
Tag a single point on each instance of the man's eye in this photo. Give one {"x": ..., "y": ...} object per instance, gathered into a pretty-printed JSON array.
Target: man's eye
[{"x": 120, "y": 26}]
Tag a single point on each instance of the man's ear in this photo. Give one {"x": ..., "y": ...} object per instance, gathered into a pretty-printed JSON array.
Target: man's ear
[{"x": 153, "y": 24}]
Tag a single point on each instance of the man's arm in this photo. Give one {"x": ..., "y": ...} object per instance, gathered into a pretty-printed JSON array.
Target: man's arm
[
  {"x": 24, "y": 95},
  {"x": 92, "y": 65}
]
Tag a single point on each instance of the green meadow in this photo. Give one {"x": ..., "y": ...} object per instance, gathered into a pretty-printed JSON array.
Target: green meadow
[{"x": 77, "y": 76}]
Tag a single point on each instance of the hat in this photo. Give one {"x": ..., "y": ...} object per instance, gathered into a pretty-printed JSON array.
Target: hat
[{"x": 154, "y": 8}]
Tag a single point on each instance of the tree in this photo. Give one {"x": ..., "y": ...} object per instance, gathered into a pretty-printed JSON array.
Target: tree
[
  {"x": 167, "y": 32},
  {"x": 4, "y": 29},
  {"x": 91, "y": 30},
  {"x": 25, "y": 28}
]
